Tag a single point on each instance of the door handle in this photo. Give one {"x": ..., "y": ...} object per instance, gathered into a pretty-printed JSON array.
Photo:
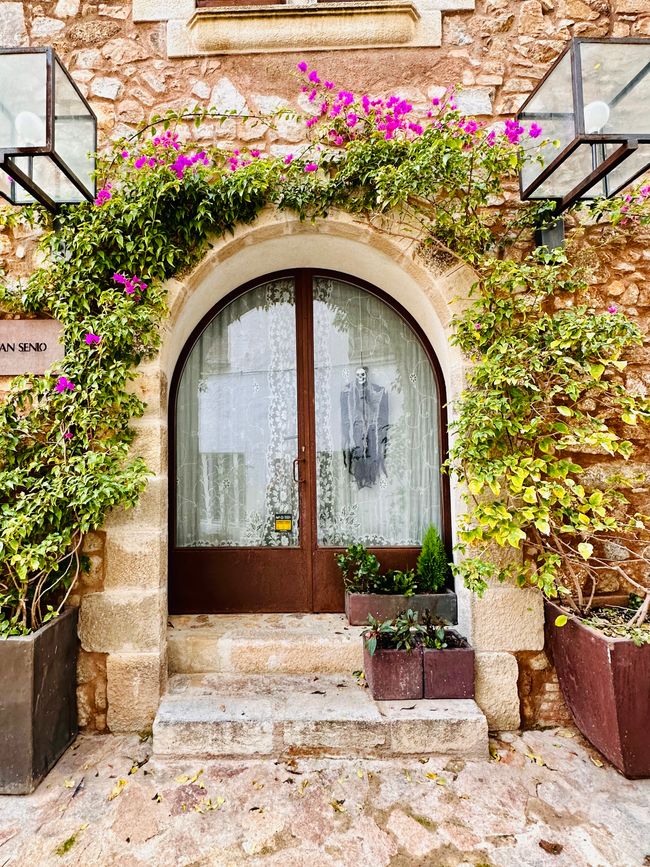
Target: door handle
[{"x": 296, "y": 470}]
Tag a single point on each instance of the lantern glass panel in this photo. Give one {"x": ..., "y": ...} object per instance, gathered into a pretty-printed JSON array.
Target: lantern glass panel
[
  {"x": 74, "y": 131},
  {"x": 49, "y": 177},
  {"x": 629, "y": 169},
  {"x": 5, "y": 185},
  {"x": 552, "y": 109},
  {"x": 570, "y": 173},
  {"x": 616, "y": 88},
  {"x": 23, "y": 91}
]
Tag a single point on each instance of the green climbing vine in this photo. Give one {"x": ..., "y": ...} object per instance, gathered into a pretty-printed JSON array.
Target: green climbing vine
[{"x": 546, "y": 382}]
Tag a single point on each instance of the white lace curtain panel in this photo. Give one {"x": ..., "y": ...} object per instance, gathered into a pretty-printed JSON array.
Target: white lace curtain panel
[{"x": 377, "y": 417}]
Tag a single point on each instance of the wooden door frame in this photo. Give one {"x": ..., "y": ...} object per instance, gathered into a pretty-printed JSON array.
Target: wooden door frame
[{"x": 304, "y": 277}]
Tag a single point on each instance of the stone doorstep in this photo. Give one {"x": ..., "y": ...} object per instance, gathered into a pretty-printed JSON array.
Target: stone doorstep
[
  {"x": 263, "y": 643},
  {"x": 228, "y": 716}
]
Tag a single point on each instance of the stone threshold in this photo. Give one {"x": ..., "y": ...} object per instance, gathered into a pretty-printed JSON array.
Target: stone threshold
[
  {"x": 263, "y": 643},
  {"x": 231, "y": 716}
]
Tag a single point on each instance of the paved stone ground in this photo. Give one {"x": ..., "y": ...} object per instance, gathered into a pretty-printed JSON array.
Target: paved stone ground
[{"x": 544, "y": 798}]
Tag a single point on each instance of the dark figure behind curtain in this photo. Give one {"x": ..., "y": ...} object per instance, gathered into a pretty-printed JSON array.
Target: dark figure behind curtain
[{"x": 364, "y": 423}]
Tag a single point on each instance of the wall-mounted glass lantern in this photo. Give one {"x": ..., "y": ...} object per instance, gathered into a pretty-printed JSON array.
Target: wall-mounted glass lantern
[
  {"x": 48, "y": 132},
  {"x": 595, "y": 101}
]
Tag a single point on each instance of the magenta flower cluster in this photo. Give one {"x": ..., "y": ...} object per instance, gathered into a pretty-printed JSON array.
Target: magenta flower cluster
[
  {"x": 394, "y": 115},
  {"x": 64, "y": 384},
  {"x": 104, "y": 195},
  {"x": 92, "y": 338},
  {"x": 239, "y": 161},
  {"x": 132, "y": 285}
]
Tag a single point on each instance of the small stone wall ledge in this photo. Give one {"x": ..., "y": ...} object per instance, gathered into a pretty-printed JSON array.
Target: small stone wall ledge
[{"x": 344, "y": 25}]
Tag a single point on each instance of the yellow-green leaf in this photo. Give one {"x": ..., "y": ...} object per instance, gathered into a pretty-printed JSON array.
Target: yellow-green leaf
[
  {"x": 585, "y": 549},
  {"x": 565, "y": 411},
  {"x": 596, "y": 370},
  {"x": 561, "y": 620},
  {"x": 476, "y": 486}
]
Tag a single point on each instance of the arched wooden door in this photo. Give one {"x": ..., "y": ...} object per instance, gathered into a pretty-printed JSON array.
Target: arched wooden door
[{"x": 307, "y": 412}]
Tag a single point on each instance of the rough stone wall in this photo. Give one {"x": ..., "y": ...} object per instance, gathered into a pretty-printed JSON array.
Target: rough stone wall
[{"x": 498, "y": 52}]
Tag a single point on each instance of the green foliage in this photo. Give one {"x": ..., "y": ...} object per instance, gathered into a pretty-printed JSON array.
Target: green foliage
[
  {"x": 360, "y": 570},
  {"x": 405, "y": 632},
  {"x": 546, "y": 382},
  {"x": 433, "y": 565},
  {"x": 402, "y": 583},
  {"x": 402, "y": 633}
]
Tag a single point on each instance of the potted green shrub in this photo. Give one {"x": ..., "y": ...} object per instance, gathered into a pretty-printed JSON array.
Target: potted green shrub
[
  {"x": 383, "y": 596},
  {"x": 448, "y": 663},
  {"x": 392, "y": 652},
  {"x": 38, "y": 668}
]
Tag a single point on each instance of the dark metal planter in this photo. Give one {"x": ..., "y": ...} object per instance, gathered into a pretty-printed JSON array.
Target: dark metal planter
[
  {"x": 384, "y": 606},
  {"x": 38, "y": 702},
  {"x": 393, "y": 675},
  {"x": 449, "y": 673},
  {"x": 606, "y": 685}
]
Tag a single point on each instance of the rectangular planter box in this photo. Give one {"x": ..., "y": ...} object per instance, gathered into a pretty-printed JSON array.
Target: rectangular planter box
[
  {"x": 449, "y": 673},
  {"x": 38, "y": 702},
  {"x": 384, "y": 606},
  {"x": 606, "y": 684},
  {"x": 393, "y": 675}
]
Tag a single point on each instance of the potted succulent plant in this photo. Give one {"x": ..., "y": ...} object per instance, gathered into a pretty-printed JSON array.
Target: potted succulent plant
[
  {"x": 383, "y": 596},
  {"x": 448, "y": 663},
  {"x": 393, "y": 657}
]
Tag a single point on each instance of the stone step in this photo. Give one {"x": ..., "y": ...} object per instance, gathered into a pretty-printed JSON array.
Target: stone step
[
  {"x": 263, "y": 643},
  {"x": 230, "y": 716}
]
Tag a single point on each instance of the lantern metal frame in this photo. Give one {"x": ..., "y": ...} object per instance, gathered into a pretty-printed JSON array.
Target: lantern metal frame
[
  {"x": 16, "y": 175},
  {"x": 628, "y": 142}
]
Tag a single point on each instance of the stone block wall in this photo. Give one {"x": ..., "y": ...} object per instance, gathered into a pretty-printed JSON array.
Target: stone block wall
[{"x": 497, "y": 50}]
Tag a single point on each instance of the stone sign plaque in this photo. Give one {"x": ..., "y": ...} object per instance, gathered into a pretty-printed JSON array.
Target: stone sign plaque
[{"x": 29, "y": 345}]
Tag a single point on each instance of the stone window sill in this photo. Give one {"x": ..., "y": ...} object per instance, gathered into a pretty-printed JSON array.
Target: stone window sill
[{"x": 286, "y": 25}]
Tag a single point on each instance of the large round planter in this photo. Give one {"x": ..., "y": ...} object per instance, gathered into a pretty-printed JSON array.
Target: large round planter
[
  {"x": 385, "y": 606},
  {"x": 606, "y": 685},
  {"x": 38, "y": 702},
  {"x": 394, "y": 675}
]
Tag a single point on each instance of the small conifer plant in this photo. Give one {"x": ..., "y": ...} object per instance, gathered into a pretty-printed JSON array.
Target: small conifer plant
[{"x": 433, "y": 566}]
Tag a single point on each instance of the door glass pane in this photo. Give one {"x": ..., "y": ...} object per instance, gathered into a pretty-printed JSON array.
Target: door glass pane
[
  {"x": 377, "y": 418},
  {"x": 236, "y": 427}
]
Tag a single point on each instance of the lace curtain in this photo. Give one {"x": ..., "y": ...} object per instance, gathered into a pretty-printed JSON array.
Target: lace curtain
[
  {"x": 376, "y": 412},
  {"x": 236, "y": 430},
  {"x": 377, "y": 418}
]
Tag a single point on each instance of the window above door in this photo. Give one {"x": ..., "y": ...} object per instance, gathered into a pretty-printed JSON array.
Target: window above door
[{"x": 204, "y": 27}]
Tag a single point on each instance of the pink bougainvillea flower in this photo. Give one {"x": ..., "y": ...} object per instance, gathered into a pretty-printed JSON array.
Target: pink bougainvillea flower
[
  {"x": 125, "y": 155},
  {"x": 288, "y": 159},
  {"x": 352, "y": 119},
  {"x": 64, "y": 384},
  {"x": 329, "y": 85},
  {"x": 302, "y": 66},
  {"x": 435, "y": 101},
  {"x": 311, "y": 167},
  {"x": 255, "y": 153},
  {"x": 92, "y": 338},
  {"x": 104, "y": 195},
  {"x": 140, "y": 162},
  {"x": 612, "y": 308},
  {"x": 132, "y": 285},
  {"x": 67, "y": 435},
  {"x": 313, "y": 77},
  {"x": 535, "y": 131}
]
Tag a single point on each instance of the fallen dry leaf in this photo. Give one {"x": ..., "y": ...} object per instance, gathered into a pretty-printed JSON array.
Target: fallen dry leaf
[
  {"x": 597, "y": 762},
  {"x": 551, "y": 848},
  {"x": 68, "y": 784},
  {"x": 337, "y": 806},
  {"x": 117, "y": 789},
  {"x": 537, "y": 759}
]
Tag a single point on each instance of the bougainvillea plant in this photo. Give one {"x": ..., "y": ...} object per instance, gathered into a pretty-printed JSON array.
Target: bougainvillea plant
[{"x": 547, "y": 381}]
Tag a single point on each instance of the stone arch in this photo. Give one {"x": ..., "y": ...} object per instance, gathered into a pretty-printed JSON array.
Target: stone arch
[{"x": 127, "y": 619}]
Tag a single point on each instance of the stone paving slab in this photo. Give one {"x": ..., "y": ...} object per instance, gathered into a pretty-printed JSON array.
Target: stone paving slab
[
  {"x": 332, "y": 715},
  {"x": 263, "y": 643},
  {"x": 544, "y": 798}
]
